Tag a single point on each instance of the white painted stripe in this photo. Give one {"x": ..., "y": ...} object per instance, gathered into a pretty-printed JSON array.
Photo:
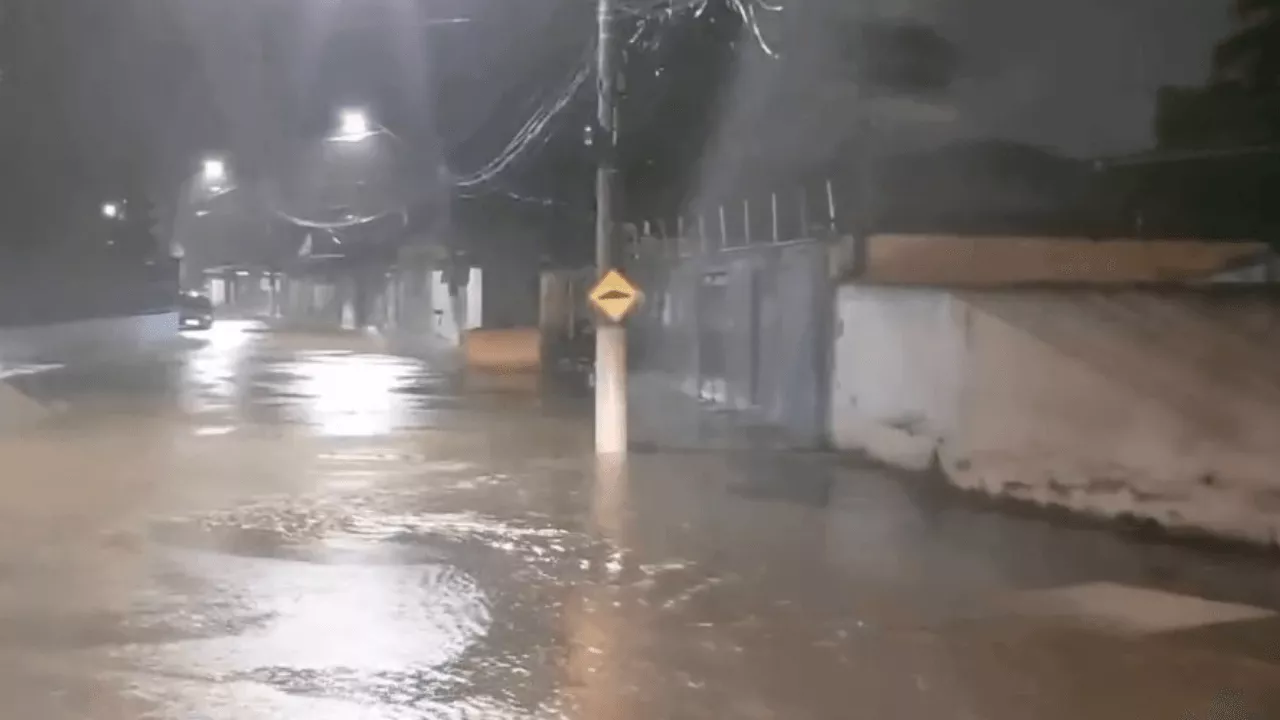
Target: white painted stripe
[
  {"x": 1131, "y": 610},
  {"x": 10, "y": 371}
]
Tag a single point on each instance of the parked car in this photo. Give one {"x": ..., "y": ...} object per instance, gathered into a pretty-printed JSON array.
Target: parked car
[{"x": 195, "y": 311}]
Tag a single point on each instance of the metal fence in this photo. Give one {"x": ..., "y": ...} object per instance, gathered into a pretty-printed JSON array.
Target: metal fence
[
  {"x": 739, "y": 314},
  {"x": 811, "y": 210}
]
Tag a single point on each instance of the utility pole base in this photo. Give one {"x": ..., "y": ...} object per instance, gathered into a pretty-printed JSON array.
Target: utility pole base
[{"x": 611, "y": 389}]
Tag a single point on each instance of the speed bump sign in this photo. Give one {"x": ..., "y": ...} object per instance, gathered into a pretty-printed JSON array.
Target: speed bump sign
[{"x": 614, "y": 295}]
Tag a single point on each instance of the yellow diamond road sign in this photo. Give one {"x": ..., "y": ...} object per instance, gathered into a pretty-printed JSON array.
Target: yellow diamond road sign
[{"x": 614, "y": 295}]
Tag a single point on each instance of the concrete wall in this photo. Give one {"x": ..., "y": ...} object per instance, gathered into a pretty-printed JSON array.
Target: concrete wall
[
  {"x": 897, "y": 372},
  {"x": 968, "y": 260},
  {"x": 32, "y": 350},
  {"x": 88, "y": 340},
  {"x": 1161, "y": 404}
]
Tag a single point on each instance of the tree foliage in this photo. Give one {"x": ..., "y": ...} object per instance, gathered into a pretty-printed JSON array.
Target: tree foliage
[
  {"x": 681, "y": 90},
  {"x": 901, "y": 58},
  {"x": 1216, "y": 170},
  {"x": 1241, "y": 104}
]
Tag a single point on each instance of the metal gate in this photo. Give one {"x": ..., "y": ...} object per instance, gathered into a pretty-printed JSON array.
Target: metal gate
[
  {"x": 749, "y": 328},
  {"x": 713, "y": 337}
]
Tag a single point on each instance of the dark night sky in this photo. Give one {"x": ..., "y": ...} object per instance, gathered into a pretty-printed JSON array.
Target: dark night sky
[
  {"x": 159, "y": 82},
  {"x": 1079, "y": 76},
  {"x": 175, "y": 78}
]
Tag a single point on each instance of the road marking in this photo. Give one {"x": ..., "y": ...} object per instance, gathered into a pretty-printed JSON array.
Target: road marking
[
  {"x": 13, "y": 371},
  {"x": 1131, "y": 610}
]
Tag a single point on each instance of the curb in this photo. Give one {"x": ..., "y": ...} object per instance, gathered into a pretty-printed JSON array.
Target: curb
[{"x": 18, "y": 410}]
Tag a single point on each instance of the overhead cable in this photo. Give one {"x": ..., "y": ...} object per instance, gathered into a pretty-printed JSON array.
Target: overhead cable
[
  {"x": 529, "y": 132},
  {"x": 744, "y": 9},
  {"x": 536, "y": 126},
  {"x": 349, "y": 222}
]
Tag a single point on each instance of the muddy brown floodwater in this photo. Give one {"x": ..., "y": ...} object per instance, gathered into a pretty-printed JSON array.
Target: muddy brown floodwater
[{"x": 292, "y": 526}]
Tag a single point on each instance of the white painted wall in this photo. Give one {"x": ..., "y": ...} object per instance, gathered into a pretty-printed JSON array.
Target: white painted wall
[
  {"x": 453, "y": 314},
  {"x": 218, "y": 291},
  {"x": 898, "y": 364},
  {"x": 1159, "y": 407}
]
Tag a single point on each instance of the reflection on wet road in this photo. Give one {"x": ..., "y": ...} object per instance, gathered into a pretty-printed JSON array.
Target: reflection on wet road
[{"x": 287, "y": 526}]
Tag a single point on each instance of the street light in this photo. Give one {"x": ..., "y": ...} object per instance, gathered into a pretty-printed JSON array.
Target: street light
[
  {"x": 111, "y": 210},
  {"x": 353, "y": 125},
  {"x": 214, "y": 175},
  {"x": 215, "y": 171}
]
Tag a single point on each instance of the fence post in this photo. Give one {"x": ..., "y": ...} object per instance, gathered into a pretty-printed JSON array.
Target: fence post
[
  {"x": 773, "y": 214},
  {"x": 831, "y": 208},
  {"x": 746, "y": 221},
  {"x": 724, "y": 231},
  {"x": 804, "y": 213}
]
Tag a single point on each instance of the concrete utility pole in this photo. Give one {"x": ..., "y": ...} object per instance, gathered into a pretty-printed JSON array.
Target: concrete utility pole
[{"x": 611, "y": 336}]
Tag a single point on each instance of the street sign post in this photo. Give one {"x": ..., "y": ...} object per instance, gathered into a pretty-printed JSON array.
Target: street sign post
[{"x": 613, "y": 296}]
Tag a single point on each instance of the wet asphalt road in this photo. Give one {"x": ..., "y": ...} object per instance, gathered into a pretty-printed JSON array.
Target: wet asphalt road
[{"x": 291, "y": 526}]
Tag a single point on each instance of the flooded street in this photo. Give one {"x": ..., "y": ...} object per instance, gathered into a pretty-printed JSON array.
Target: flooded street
[{"x": 290, "y": 526}]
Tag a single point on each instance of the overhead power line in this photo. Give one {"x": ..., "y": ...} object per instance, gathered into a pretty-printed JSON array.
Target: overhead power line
[
  {"x": 647, "y": 11},
  {"x": 528, "y": 133},
  {"x": 746, "y": 10}
]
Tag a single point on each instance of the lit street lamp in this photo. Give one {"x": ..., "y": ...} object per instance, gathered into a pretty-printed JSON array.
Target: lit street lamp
[
  {"x": 111, "y": 210},
  {"x": 210, "y": 181},
  {"x": 215, "y": 171},
  {"x": 354, "y": 125}
]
